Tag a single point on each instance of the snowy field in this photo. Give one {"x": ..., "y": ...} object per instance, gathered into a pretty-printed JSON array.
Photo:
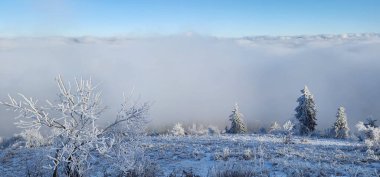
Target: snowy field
[
  {"x": 262, "y": 155},
  {"x": 253, "y": 155}
]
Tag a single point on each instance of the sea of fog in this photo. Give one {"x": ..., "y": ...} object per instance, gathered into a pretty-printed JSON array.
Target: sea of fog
[{"x": 197, "y": 79}]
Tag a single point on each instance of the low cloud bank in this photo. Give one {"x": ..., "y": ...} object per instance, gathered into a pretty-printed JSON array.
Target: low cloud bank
[{"x": 198, "y": 79}]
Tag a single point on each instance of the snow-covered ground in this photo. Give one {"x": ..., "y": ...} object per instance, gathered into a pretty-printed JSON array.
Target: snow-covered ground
[
  {"x": 256, "y": 155},
  {"x": 262, "y": 155}
]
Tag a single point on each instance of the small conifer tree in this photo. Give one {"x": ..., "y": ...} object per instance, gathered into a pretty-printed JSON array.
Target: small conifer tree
[
  {"x": 237, "y": 122},
  {"x": 306, "y": 112},
  {"x": 341, "y": 125}
]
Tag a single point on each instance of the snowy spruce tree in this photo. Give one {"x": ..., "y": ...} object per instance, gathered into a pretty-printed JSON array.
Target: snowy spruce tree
[
  {"x": 237, "y": 122},
  {"x": 341, "y": 129},
  {"x": 306, "y": 112}
]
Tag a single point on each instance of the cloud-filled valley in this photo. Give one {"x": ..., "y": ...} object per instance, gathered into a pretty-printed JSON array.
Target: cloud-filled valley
[{"x": 198, "y": 78}]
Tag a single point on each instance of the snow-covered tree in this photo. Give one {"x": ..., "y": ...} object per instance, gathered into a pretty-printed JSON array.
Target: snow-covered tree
[
  {"x": 306, "y": 112},
  {"x": 237, "y": 123},
  {"x": 274, "y": 128},
  {"x": 126, "y": 133},
  {"x": 288, "y": 127},
  {"x": 341, "y": 129},
  {"x": 178, "y": 130},
  {"x": 72, "y": 121}
]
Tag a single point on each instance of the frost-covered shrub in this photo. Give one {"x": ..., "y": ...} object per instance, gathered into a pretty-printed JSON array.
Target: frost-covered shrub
[
  {"x": 72, "y": 121},
  {"x": 144, "y": 168},
  {"x": 372, "y": 140},
  {"x": 275, "y": 128},
  {"x": 234, "y": 169},
  {"x": 197, "y": 154},
  {"x": 247, "y": 155},
  {"x": 213, "y": 130},
  {"x": 33, "y": 138},
  {"x": 369, "y": 131},
  {"x": 178, "y": 130},
  {"x": 196, "y": 130},
  {"x": 224, "y": 155},
  {"x": 288, "y": 128}
]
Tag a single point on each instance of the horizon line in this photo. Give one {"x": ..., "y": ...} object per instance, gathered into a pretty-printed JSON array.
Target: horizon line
[{"x": 189, "y": 34}]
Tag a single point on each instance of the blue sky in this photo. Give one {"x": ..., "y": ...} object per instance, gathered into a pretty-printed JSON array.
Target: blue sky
[{"x": 217, "y": 18}]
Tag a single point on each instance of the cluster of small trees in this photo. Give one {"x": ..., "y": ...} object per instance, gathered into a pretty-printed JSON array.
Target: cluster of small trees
[
  {"x": 238, "y": 126},
  {"x": 305, "y": 114}
]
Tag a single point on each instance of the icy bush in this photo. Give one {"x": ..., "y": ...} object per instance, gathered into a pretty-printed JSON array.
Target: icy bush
[
  {"x": 224, "y": 155},
  {"x": 178, "y": 130},
  {"x": 372, "y": 140},
  {"x": 144, "y": 168},
  {"x": 196, "y": 130},
  {"x": 197, "y": 154},
  {"x": 288, "y": 127},
  {"x": 233, "y": 169},
  {"x": 72, "y": 121},
  {"x": 247, "y": 154},
  {"x": 33, "y": 138},
  {"x": 275, "y": 128}
]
